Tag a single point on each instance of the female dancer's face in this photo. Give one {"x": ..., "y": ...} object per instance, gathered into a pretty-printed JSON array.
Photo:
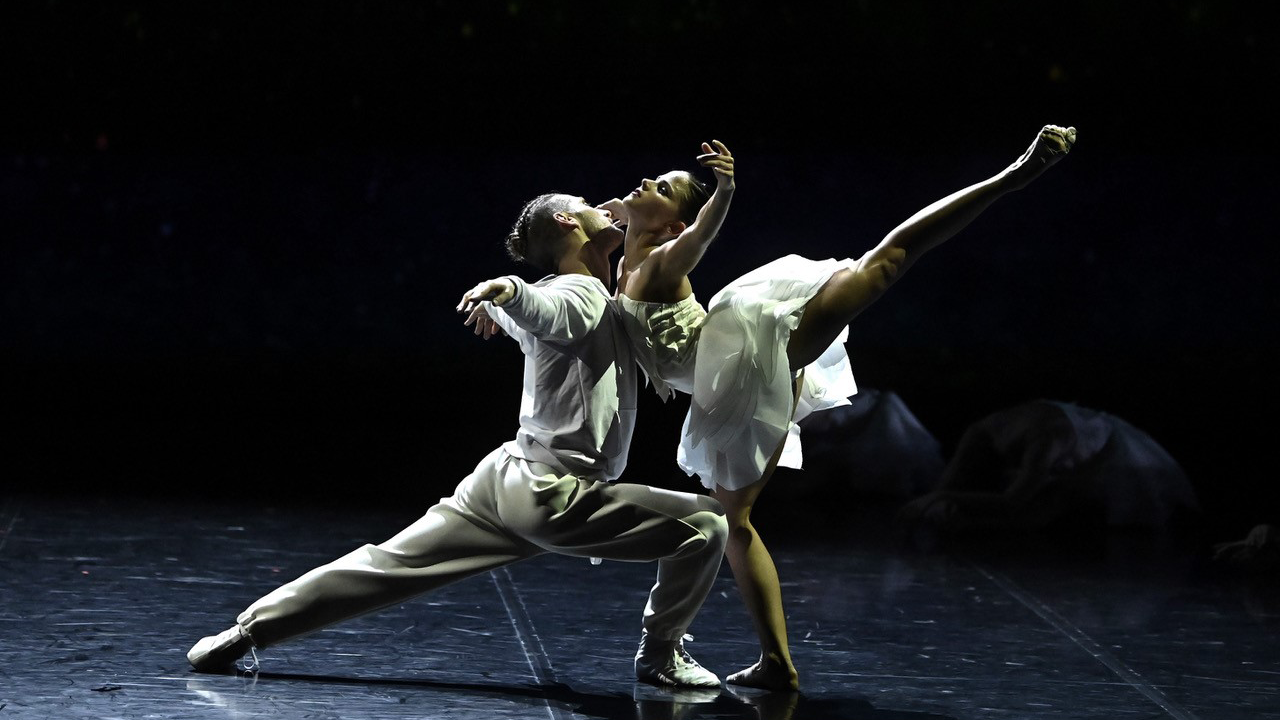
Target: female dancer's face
[{"x": 657, "y": 202}]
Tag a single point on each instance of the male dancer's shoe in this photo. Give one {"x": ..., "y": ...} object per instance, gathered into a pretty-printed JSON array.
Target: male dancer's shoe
[
  {"x": 667, "y": 664},
  {"x": 216, "y": 653}
]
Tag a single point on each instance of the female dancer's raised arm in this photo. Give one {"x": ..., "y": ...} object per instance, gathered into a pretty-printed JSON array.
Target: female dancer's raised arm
[
  {"x": 670, "y": 222},
  {"x": 684, "y": 252}
]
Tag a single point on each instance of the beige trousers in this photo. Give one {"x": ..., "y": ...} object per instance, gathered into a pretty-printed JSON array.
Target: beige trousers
[{"x": 507, "y": 510}]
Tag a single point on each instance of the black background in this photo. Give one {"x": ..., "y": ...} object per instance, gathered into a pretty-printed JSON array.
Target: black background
[{"x": 232, "y": 234}]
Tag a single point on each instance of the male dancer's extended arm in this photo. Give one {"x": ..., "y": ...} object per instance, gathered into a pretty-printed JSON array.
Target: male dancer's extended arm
[{"x": 562, "y": 311}]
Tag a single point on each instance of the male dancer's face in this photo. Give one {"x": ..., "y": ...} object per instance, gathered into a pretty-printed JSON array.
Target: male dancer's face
[
  {"x": 592, "y": 230},
  {"x": 597, "y": 224},
  {"x": 604, "y": 236}
]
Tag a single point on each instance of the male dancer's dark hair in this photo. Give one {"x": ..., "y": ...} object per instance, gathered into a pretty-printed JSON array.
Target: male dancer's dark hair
[{"x": 535, "y": 234}]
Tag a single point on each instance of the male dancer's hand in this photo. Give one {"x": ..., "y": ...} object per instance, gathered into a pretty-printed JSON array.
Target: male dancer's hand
[
  {"x": 486, "y": 326},
  {"x": 497, "y": 291}
]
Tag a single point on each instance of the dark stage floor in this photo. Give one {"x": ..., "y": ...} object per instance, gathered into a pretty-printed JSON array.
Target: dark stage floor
[{"x": 99, "y": 601}]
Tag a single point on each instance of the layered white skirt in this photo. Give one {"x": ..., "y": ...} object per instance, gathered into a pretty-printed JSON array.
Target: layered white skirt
[{"x": 742, "y": 391}]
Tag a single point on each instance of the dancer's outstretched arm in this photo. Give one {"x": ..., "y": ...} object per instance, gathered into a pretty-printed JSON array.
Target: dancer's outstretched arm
[
  {"x": 562, "y": 312},
  {"x": 849, "y": 292}
]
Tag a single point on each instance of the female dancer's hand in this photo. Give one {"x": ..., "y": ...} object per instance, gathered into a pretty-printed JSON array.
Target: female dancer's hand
[{"x": 720, "y": 160}]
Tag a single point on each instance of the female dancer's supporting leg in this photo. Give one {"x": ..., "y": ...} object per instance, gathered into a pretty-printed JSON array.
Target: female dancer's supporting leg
[
  {"x": 757, "y": 580},
  {"x": 840, "y": 300}
]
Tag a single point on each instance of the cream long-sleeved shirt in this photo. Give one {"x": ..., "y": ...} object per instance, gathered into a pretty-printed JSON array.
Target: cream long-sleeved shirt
[{"x": 579, "y": 405}]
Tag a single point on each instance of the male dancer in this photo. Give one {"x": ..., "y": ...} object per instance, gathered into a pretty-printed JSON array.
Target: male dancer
[{"x": 546, "y": 491}]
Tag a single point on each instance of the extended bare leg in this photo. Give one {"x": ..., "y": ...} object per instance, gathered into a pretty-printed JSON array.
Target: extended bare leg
[{"x": 849, "y": 292}]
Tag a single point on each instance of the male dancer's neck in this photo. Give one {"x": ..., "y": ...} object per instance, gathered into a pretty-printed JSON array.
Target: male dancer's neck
[{"x": 588, "y": 259}]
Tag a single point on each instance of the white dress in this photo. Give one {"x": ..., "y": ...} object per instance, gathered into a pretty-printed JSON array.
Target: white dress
[
  {"x": 741, "y": 384},
  {"x": 664, "y": 337}
]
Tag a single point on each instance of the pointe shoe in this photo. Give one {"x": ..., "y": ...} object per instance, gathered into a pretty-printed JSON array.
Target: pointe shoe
[
  {"x": 216, "y": 653},
  {"x": 1051, "y": 145}
]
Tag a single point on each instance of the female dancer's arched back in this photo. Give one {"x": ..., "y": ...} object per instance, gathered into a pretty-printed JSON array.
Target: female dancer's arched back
[{"x": 768, "y": 349}]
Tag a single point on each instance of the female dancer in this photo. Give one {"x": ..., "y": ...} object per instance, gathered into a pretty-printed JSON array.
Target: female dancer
[{"x": 769, "y": 348}]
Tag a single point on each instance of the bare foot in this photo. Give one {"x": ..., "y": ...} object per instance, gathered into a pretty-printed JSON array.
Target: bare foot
[
  {"x": 768, "y": 674},
  {"x": 1051, "y": 145}
]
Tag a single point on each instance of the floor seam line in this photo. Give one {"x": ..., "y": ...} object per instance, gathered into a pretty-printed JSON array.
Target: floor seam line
[
  {"x": 1086, "y": 643},
  {"x": 526, "y": 633}
]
